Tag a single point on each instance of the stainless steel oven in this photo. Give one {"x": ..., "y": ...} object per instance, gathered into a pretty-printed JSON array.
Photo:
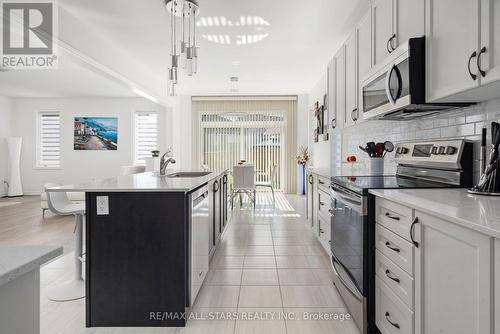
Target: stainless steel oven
[
  {"x": 349, "y": 219},
  {"x": 395, "y": 89}
]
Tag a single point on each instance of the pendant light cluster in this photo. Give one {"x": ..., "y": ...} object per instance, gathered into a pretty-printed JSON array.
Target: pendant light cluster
[{"x": 185, "y": 11}]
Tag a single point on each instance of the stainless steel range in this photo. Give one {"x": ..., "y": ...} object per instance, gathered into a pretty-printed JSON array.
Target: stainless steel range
[{"x": 436, "y": 164}]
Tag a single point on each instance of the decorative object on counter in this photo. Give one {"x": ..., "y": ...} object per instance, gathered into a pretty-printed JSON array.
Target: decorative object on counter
[
  {"x": 155, "y": 153},
  {"x": 95, "y": 134},
  {"x": 15, "y": 187},
  {"x": 489, "y": 183},
  {"x": 303, "y": 158},
  {"x": 320, "y": 131},
  {"x": 185, "y": 10},
  {"x": 351, "y": 158}
]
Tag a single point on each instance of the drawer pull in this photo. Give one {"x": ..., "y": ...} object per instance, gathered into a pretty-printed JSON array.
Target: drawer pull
[
  {"x": 321, "y": 182},
  {"x": 388, "y": 245},
  {"x": 331, "y": 211},
  {"x": 387, "y": 315},
  {"x": 321, "y": 231},
  {"x": 395, "y": 279},
  {"x": 411, "y": 232},
  {"x": 321, "y": 203},
  {"x": 201, "y": 273},
  {"x": 387, "y": 214}
]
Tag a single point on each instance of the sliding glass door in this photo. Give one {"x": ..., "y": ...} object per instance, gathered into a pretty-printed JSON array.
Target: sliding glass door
[{"x": 253, "y": 137}]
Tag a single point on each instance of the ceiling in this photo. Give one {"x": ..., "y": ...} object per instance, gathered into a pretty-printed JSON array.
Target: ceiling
[
  {"x": 301, "y": 38},
  {"x": 71, "y": 79},
  {"x": 296, "y": 41}
]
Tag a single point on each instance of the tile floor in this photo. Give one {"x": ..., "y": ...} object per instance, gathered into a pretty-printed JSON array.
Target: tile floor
[{"x": 268, "y": 272}]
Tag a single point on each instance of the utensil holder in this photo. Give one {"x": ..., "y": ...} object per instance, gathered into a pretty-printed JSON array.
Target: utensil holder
[{"x": 376, "y": 166}]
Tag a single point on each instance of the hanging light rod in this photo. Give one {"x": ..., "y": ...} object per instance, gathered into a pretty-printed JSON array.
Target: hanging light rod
[{"x": 185, "y": 11}]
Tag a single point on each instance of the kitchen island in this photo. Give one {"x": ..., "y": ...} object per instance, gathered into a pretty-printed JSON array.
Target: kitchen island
[{"x": 147, "y": 245}]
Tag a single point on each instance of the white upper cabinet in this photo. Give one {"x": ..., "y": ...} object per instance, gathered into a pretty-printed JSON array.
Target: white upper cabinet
[
  {"x": 340, "y": 88},
  {"x": 394, "y": 22},
  {"x": 365, "y": 56},
  {"x": 332, "y": 88},
  {"x": 351, "y": 84},
  {"x": 489, "y": 61},
  {"x": 452, "y": 30},
  {"x": 409, "y": 20},
  {"x": 453, "y": 278},
  {"x": 382, "y": 11}
]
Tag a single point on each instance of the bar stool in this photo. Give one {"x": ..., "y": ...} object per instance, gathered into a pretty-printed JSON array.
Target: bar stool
[{"x": 60, "y": 204}]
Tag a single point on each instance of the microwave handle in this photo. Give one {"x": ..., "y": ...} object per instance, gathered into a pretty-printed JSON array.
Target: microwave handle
[{"x": 393, "y": 70}]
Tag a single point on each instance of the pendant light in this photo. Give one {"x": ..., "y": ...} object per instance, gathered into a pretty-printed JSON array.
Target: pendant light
[{"x": 186, "y": 10}]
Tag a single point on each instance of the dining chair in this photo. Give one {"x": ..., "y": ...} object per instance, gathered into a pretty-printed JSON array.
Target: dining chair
[
  {"x": 60, "y": 204},
  {"x": 243, "y": 183},
  {"x": 271, "y": 183}
]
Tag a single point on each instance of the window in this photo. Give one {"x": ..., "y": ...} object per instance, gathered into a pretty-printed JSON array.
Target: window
[
  {"x": 48, "y": 140},
  {"x": 146, "y": 135}
]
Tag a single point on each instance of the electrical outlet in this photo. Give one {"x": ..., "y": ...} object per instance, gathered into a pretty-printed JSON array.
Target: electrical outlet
[{"x": 102, "y": 203}]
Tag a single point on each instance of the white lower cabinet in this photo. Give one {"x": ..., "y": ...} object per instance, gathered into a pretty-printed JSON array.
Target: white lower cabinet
[
  {"x": 391, "y": 314},
  {"x": 453, "y": 278}
]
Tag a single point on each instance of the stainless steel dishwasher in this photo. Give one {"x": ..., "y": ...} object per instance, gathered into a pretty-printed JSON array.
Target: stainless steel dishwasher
[{"x": 199, "y": 239}]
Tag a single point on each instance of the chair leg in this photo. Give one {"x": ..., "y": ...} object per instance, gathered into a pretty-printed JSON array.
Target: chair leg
[
  {"x": 254, "y": 198},
  {"x": 241, "y": 200},
  {"x": 274, "y": 198}
]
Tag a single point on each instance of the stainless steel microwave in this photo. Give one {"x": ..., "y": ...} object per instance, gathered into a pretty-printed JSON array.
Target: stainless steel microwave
[{"x": 395, "y": 89}]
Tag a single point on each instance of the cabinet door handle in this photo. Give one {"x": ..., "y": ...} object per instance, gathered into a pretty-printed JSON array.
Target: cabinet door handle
[
  {"x": 388, "y": 245},
  {"x": 415, "y": 221},
  {"x": 387, "y": 317},
  {"x": 472, "y": 75},
  {"x": 353, "y": 114},
  {"x": 389, "y": 46},
  {"x": 395, "y": 279},
  {"x": 311, "y": 179},
  {"x": 388, "y": 215},
  {"x": 334, "y": 123},
  {"x": 483, "y": 72},
  {"x": 321, "y": 203}
]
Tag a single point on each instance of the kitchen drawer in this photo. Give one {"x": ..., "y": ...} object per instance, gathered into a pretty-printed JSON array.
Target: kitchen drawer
[
  {"x": 324, "y": 230},
  {"x": 395, "y": 278},
  {"x": 324, "y": 184},
  {"x": 395, "y": 217},
  {"x": 397, "y": 249},
  {"x": 391, "y": 314},
  {"x": 324, "y": 200}
]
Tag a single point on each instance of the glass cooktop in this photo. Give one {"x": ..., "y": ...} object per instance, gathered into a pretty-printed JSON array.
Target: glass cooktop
[{"x": 361, "y": 184}]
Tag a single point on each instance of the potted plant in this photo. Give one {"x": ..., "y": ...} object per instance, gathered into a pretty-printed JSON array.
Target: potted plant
[{"x": 303, "y": 158}]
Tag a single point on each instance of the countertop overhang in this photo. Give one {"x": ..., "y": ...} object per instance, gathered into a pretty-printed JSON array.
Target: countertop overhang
[{"x": 143, "y": 182}]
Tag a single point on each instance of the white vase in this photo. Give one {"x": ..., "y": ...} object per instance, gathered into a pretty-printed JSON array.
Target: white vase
[{"x": 14, "y": 147}]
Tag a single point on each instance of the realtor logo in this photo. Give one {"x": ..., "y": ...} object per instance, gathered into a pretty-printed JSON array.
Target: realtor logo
[{"x": 28, "y": 34}]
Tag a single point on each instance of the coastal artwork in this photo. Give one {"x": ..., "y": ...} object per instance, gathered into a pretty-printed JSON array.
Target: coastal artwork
[{"x": 96, "y": 134}]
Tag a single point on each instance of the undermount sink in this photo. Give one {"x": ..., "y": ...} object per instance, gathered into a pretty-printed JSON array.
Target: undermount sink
[{"x": 187, "y": 174}]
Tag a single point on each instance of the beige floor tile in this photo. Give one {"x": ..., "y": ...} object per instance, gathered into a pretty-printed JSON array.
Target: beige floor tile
[
  {"x": 320, "y": 321},
  {"x": 279, "y": 241},
  {"x": 318, "y": 262},
  {"x": 311, "y": 296},
  {"x": 325, "y": 276},
  {"x": 260, "y": 296},
  {"x": 297, "y": 261},
  {"x": 298, "y": 277},
  {"x": 315, "y": 249},
  {"x": 231, "y": 250},
  {"x": 228, "y": 262},
  {"x": 252, "y": 250},
  {"x": 217, "y": 296},
  {"x": 288, "y": 250},
  {"x": 259, "y": 262},
  {"x": 224, "y": 277},
  {"x": 260, "y": 241},
  {"x": 258, "y": 327},
  {"x": 259, "y": 277}
]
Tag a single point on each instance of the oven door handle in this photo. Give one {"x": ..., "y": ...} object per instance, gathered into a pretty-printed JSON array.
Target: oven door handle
[{"x": 352, "y": 288}]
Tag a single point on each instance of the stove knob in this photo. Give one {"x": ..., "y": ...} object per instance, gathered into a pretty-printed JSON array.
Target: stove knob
[
  {"x": 434, "y": 150},
  {"x": 442, "y": 150},
  {"x": 450, "y": 150}
]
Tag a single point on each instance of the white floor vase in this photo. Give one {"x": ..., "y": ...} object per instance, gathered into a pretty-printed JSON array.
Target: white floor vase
[{"x": 14, "y": 147}]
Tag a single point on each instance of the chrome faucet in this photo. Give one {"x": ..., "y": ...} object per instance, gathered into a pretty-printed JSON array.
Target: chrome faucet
[{"x": 164, "y": 163}]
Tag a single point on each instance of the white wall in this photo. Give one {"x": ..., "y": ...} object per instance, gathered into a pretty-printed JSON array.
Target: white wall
[
  {"x": 80, "y": 166},
  {"x": 303, "y": 132},
  {"x": 6, "y": 124},
  {"x": 321, "y": 150}
]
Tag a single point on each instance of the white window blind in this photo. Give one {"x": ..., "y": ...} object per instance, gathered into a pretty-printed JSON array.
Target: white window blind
[
  {"x": 49, "y": 140},
  {"x": 146, "y": 135}
]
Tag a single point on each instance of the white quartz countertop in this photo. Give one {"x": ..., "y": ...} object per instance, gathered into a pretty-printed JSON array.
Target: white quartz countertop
[
  {"x": 480, "y": 213},
  {"x": 325, "y": 172},
  {"x": 146, "y": 182},
  {"x": 16, "y": 261}
]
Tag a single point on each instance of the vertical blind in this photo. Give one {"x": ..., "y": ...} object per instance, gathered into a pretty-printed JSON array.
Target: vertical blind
[
  {"x": 146, "y": 135},
  {"x": 49, "y": 140},
  {"x": 261, "y": 132}
]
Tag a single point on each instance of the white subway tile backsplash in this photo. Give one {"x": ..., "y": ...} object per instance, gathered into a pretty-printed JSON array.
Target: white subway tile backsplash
[{"x": 460, "y": 123}]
